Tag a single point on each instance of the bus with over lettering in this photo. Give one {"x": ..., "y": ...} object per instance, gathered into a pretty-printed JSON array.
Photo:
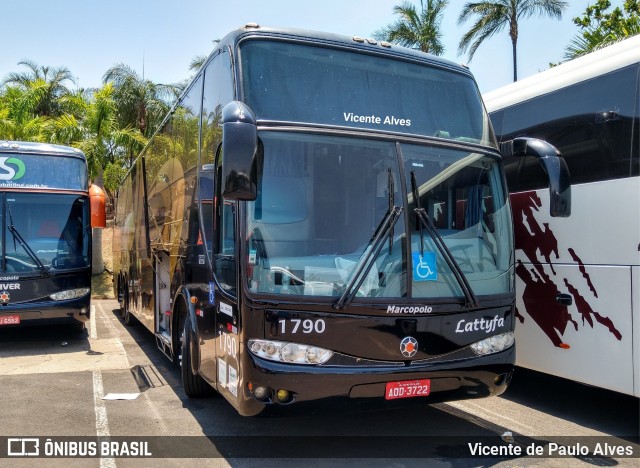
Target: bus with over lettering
[
  {"x": 45, "y": 256},
  {"x": 324, "y": 216}
]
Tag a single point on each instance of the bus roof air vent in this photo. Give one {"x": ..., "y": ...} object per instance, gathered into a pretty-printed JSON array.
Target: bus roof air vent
[
  {"x": 252, "y": 26},
  {"x": 358, "y": 39},
  {"x": 372, "y": 41},
  {"x": 385, "y": 44}
]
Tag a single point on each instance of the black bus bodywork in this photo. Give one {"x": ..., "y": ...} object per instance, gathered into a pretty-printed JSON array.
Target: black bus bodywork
[
  {"x": 45, "y": 264},
  {"x": 321, "y": 216}
]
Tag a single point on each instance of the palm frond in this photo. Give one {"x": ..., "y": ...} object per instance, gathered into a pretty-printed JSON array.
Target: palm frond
[
  {"x": 551, "y": 8},
  {"x": 492, "y": 19},
  {"x": 416, "y": 29}
]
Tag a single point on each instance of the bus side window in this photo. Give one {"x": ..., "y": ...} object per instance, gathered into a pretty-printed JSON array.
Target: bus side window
[
  {"x": 217, "y": 215},
  {"x": 205, "y": 198},
  {"x": 225, "y": 259},
  {"x": 227, "y": 237},
  {"x": 594, "y": 131},
  {"x": 224, "y": 264}
]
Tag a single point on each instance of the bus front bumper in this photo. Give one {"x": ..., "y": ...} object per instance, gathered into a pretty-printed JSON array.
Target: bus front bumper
[
  {"x": 452, "y": 380},
  {"x": 63, "y": 313}
]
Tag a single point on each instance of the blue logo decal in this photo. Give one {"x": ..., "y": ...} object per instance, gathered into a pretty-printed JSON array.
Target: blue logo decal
[
  {"x": 424, "y": 267},
  {"x": 212, "y": 293}
]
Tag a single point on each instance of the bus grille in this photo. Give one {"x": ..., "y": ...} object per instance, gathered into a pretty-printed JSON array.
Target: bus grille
[{"x": 342, "y": 360}]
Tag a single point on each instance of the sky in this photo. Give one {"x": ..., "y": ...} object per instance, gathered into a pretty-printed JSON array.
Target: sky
[{"x": 159, "y": 38}]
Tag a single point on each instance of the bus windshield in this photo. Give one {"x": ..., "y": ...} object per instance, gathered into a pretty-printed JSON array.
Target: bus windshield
[
  {"x": 339, "y": 87},
  {"x": 321, "y": 200},
  {"x": 44, "y": 232}
]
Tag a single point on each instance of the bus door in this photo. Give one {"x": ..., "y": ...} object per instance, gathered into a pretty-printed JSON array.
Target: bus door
[
  {"x": 161, "y": 262},
  {"x": 162, "y": 214},
  {"x": 635, "y": 312},
  {"x": 227, "y": 339},
  {"x": 217, "y": 318}
]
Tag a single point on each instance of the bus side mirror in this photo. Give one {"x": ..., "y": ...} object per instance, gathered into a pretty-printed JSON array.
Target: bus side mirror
[
  {"x": 239, "y": 148},
  {"x": 97, "y": 203},
  {"x": 553, "y": 165}
]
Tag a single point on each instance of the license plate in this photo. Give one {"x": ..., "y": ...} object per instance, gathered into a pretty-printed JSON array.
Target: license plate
[
  {"x": 9, "y": 319},
  {"x": 407, "y": 389}
]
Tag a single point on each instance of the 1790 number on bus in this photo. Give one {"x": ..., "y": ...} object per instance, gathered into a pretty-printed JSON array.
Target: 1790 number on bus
[{"x": 407, "y": 389}]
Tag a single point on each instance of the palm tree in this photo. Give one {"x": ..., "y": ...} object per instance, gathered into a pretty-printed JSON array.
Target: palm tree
[
  {"x": 104, "y": 141},
  {"x": 418, "y": 30},
  {"x": 51, "y": 82},
  {"x": 197, "y": 62},
  {"x": 18, "y": 120},
  {"x": 105, "y": 144},
  {"x": 68, "y": 128},
  {"x": 140, "y": 103},
  {"x": 494, "y": 16}
]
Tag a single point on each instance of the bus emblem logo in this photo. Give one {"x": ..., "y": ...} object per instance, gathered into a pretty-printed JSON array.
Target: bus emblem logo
[
  {"x": 9, "y": 172},
  {"x": 4, "y": 297},
  {"x": 409, "y": 346}
]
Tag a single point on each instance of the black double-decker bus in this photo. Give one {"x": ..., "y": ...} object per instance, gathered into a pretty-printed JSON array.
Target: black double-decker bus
[
  {"x": 324, "y": 216},
  {"x": 45, "y": 263}
]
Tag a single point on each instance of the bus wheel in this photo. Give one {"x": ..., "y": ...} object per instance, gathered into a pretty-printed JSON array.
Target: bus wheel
[
  {"x": 194, "y": 385},
  {"x": 126, "y": 313},
  {"x": 121, "y": 298}
]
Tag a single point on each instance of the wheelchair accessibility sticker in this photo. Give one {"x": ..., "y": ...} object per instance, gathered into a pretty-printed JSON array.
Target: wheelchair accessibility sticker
[{"x": 424, "y": 267}]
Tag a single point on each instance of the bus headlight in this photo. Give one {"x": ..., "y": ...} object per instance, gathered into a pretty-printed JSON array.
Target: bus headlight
[
  {"x": 494, "y": 344},
  {"x": 293, "y": 353},
  {"x": 69, "y": 294}
]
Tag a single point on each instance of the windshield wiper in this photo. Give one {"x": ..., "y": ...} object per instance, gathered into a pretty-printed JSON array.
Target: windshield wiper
[
  {"x": 425, "y": 222},
  {"x": 16, "y": 235},
  {"x": 363, "y": 267},
  {"x": 392, "y": 204}
]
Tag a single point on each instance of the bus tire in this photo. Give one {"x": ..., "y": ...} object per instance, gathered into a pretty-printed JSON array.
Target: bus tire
[
  {"x": 194, "y": 385},
  {"x": 127, "y": 317},
  {"x": 121, "y": 296}
]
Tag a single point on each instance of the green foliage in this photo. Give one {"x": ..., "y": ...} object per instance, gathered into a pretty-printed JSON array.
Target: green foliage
[
  {"x": 600, "y": 27},
  {"x": 197, "y": 62},
  {"x": 113, "y": 175},
  {"x": 110, "y": 125},
  {"x": 140, "y": 103},
  {"x": 416, "y": 29},
  {"x": 48, "y": 85},
  {"x": 106, "y": 142}
]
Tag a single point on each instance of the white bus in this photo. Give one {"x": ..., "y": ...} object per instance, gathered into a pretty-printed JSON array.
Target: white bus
[{"x": 578, "y": 278}]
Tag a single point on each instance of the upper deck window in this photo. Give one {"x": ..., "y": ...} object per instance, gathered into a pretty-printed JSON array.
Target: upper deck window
[{"x": 300, "y": 83}]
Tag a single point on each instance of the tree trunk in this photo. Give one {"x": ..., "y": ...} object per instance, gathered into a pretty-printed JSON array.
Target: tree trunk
[{"x": 515, "y": 62}]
